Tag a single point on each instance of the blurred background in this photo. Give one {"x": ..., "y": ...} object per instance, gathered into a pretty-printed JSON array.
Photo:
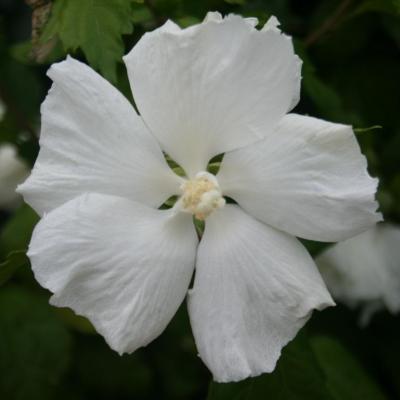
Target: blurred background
[{"x": 351, "y": 74}]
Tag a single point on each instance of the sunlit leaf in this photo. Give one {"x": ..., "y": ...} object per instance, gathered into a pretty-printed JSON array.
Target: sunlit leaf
[{"x": 96, "y": 27}]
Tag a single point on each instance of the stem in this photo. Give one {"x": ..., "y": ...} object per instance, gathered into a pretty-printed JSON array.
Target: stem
[{"x": 328, "y": 24}]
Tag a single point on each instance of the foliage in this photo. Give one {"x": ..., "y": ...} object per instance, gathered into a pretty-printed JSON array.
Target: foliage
[
  {"x": 95, "y": 26},
  {"x": 350, "y": 75},
  {"x": 297, "y": 376},
  {"x": 10, "y": 265},
  {"x": 31, "y": 369},
  {"x": 310, "y": 368},
  {"x": 345, "y": 377}
]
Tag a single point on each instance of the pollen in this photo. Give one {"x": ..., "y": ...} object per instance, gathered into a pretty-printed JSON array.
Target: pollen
[{"x": 201, "y": 195}]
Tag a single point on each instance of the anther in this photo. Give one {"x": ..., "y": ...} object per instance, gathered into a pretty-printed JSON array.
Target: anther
[{"x": 201, "y": 195}]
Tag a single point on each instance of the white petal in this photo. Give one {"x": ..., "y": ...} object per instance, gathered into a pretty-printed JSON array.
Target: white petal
[
  {"x": 272, "y": 24},
  {"x": 92, "y": 140},
  {"x": 307, "y": 178},
  {"x": 13, "y": 171},
  {"x": 254, "y": 288},
  {"x": 124, "y": 266},
  {"x": 213, "y": 87},
  {"x": 170, "y": 26},
  {"x": 213, "y": 16},
  {"x": 217, "y": 17},
  {"x": 365, "y": 269},
  {"x": 252, "y": 21}
]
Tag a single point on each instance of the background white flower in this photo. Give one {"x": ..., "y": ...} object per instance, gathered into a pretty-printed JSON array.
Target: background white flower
[
  {"x": 365, "y": 270},
  {"x": 13, "y": 171},
  {"x": 105, "y": 250}
]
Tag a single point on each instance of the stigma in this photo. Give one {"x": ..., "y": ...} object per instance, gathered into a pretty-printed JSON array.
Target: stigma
[{"x": 201, "y": 195}]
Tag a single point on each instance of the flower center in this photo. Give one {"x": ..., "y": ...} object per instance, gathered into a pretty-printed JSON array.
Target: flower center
[{"x": 201, "y": 195}]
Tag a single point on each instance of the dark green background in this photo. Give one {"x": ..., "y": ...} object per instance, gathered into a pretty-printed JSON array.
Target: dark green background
[{"x": 351, "y": 71}]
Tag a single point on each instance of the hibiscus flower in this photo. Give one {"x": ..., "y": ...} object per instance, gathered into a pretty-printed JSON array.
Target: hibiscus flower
[
  {"x": 13, "y": 171},
  {"x": 106, "y": 249},
  {"x": 364, "y": 271}
]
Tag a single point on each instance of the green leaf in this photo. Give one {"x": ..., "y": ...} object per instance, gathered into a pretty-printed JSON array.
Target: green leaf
[
  {"x": 15, "y": 260},
  {"x": 296, "y": 377},
  {"x": 141, "y": 14},
  {"x": 94, "y": 26},
  {"x": 383, "y": 6},
  {"x": 346, "y": 378},
  {"x": 230, "y": 391},
  {"x": 107, "y": 375},
  {"x": 186, "y": 21},
  {"x": 317, "y": 368},
  {"x": 323, "y": 96},
  {"x": 241, "y": 2},
  {"x": 14, "y": 89},
  {"x": 34, "y": 346},
  {"x": 16, "y": 234},
  {"x": 370, "y": 128},
  {"x": 314, "y": 247},
  {"x": 74, "y": 321}
]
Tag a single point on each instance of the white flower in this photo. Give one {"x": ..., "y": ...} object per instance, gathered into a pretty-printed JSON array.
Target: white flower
[
  {"x": 13, "y": 171},
  {"x": 105, "y": 250},
  {"x": 365, "y": 270}
]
